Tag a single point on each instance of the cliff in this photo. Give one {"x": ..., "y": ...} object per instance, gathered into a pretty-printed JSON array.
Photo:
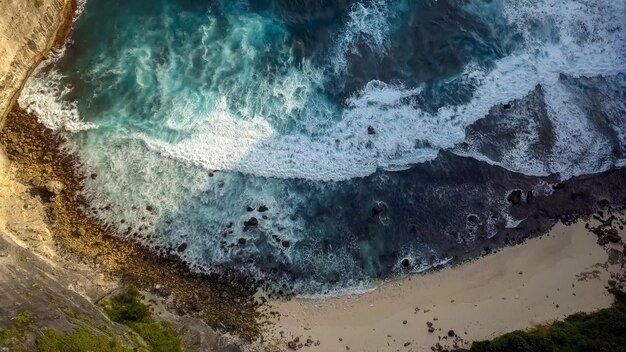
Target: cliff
[{"x": 28, "y": 30}]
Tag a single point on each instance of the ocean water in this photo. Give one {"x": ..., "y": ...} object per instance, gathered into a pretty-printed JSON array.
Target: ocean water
[{"x": 197, "y": 115}]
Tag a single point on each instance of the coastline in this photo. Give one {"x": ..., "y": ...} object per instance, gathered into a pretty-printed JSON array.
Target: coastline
[
  {"x": 73, "y": 238},
  {"x": 542, "y": 280}
]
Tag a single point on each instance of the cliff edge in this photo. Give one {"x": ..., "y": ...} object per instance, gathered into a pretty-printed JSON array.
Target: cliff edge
[{"x": 28, "y": 30}]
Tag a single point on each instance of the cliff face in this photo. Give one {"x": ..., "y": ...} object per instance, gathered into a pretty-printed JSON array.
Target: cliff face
[{"x": 28, "y": 29}]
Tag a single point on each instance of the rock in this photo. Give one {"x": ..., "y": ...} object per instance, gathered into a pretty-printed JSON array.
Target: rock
[
  {"x": 603, "y": 240},
  {"x": 292, "y": 345},
  {"x": 472, "y": 218},
  {"x": 241, "y": 241},
  {"x": 371, "y": 130},
  {"x": 308, "y": 343},
  {"x": 404, "y": 322},
  {"x": 431, "y": 329},
  {"x": 182, "y": 247},
  {"x": 429, "y": 324},
  {"x": 406, "y": 344},
  {"x": 405, "y": 262},
  {"x": 251, "y": 222},
  {"x": 249, "y": 209},
  {"x": 263, "y": 209},
  {"x": 93, "y": 176},
  {"x": 149, "y": 208},
  {"x": 377, "y": 210},
  {"x": 507, "y": 106},
  {"x": 612, "y": 283},
  {"x": 162, "y": 290},
  {"x": 81, "y": 232},
  {"x": 451, "y": 333},
  {"x": 529, "y": 197},
  {"x": 54, "y": 187},
  {"x": 612, "y": 236},
  {"x": 286, "y": 244},
  {"x": 603, "y": 203},
  {"x": 515, "y": 197},
  {"x": 36, "y": 181}
]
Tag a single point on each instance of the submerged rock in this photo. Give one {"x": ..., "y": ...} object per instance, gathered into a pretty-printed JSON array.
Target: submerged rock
[
  {"x": 377, "y": 210},
  {"x": 182, "y": 247},
  {"x": 263, "y": 209}
]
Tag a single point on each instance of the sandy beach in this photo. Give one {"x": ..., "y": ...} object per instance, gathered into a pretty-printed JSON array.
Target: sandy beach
[{"x": 519, "y": 287}]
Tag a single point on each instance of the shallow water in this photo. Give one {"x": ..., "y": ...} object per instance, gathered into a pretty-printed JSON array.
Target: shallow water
[{"x": 191, "y": 112}]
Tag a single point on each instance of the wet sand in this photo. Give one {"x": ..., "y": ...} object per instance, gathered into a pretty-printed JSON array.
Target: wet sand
[{"x": 519, "y": 287}]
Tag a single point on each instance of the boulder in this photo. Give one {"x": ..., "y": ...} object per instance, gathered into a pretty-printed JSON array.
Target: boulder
[
  {"x": 182, "y": 247},
  {"x": 529, "y": 197},
  {"x": 54, "y": 187},
  {"x": 377, "y": 210},
  {"x": 251, "y": 222},
  {"x": 36, "y": 181},
  {"x": 263, "y": 209},
  {"x": 515, "y": 197},
  {"x": 613, "y": 236},
  {"x": 371, "y": 130}
]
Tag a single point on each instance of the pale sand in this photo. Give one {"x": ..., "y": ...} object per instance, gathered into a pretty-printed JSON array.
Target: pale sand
[{"x": 478, "y": 300}]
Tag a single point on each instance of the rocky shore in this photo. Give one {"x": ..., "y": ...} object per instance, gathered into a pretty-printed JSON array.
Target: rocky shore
[
  {"x": 225, "y": 303},
  {"x": 44, "y": 212},
  {"x": 46, "y": 219}
]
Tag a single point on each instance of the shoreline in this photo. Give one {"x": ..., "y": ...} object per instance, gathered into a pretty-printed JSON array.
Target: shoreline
[
  {"x": 37, "y": 157},
  {"x": 227, "y": 304},
  {"x": 542, "y": 280}
]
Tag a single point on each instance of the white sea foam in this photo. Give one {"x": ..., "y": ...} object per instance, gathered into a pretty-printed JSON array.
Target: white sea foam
[
  {"x": 404, "y": 133},
  {"x": 576, "y": 38}
]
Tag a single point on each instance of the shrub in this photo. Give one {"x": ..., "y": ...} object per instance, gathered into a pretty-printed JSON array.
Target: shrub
[
  {"x": 80, "y": 340},
  {"x": 127, "y": 308},
  {"x": 602, "y": 331}
]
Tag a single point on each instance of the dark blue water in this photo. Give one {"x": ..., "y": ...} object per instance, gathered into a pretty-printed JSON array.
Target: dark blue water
[{"x": 359, "y": 134}]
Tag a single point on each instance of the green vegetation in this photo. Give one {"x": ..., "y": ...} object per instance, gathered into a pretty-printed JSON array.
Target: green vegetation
[
  {"x": 126, "y": 308},
  {"x": 71, "y": 314},
  {"x": 14, "y": 336},
  {"x": 602, "y": 331},
  {"x": 22, "y": 318},
  {"x": 80, "y": 340}
]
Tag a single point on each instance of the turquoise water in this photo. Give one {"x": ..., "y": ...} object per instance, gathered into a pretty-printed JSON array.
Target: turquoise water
[{"x": 199, "y": 115}]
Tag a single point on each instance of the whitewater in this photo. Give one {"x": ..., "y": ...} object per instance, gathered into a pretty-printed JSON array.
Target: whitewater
[{"x": 206, "y": 109}]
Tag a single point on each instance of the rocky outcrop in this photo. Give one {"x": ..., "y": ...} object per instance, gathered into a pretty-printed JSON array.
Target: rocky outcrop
[{"x": 28, "y": 30}]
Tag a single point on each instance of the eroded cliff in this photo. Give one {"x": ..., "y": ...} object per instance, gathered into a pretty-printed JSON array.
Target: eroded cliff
[{"x": 28, "y": 29}]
